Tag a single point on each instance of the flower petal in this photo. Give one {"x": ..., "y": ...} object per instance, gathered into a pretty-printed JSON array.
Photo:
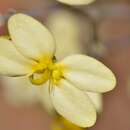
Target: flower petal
[
  {"x": 89, "y": 74},
  {"x": 96, "y": 98},
  {"x": 19, "y": 91},
  {"x": 45, "y": 99},
  {"x": 67, "y": 41},
  {"x": 31, "y": 37},
  {"x": 76, "y": 2},
  {"x": 12, "y": 63},
  {"x": 73, "y": 104}
]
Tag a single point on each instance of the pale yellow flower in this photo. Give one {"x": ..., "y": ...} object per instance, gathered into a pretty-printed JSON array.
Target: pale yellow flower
[
  {"x": 76, "y": 2},
  {"x": 19, "y": 91},
  {"x": 31, "y": 54}
]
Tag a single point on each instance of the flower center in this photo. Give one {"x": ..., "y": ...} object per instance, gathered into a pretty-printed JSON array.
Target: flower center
[
  {"x": 47, "y": 69},
  {"x": 57, "y": 73}
]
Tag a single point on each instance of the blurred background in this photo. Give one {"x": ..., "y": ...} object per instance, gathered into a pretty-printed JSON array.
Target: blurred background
[{"x": 103, "y": 29}]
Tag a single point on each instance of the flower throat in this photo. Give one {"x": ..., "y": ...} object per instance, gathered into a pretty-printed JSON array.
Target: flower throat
[{"x": 47, "y": 69}]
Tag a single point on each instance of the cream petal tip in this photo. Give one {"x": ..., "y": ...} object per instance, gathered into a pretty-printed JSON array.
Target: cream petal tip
[
  {"x": 85, "y": 123},
  {"x": 113, "y": 81},
  {"x": 76, "y": 2}
]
